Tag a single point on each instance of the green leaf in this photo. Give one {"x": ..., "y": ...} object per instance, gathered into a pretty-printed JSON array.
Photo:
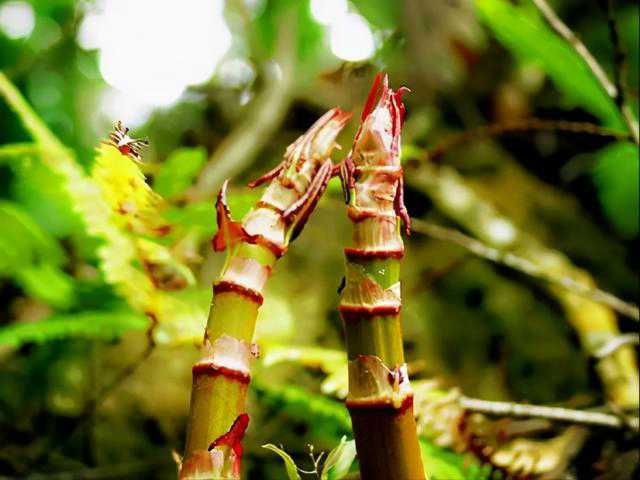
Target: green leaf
[
  {"x": 177, "y": 173},
  {"x": 380, "y": 13},
  {"x": 199, "y": 214},
  {"x": 328, "y": 419},
  {"x": 331, "y": 362},
  {"x": 23, "y": 242},
  {"x": 617, "y": 177},
  {"x": 442, "y": 464},
  {"x": 290, "y": 465},
  {"x": 526, "y": 35},
  {"x": 47, "y": 283},
  {"x": 309, "y": 48},
  {"x": 315, "y": 357},
  {"x": 12, "y": 150},
  {"x": 30, "y": 119},
  {"x": 101, "y": 325},
  {"x": 202, "y": 215},
  {"x": 339, "y": 460},
  {"x": 41, "y": 193}
]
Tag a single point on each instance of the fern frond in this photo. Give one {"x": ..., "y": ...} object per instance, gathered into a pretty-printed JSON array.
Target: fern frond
[
  {"x": 101, "y": 325},
  {"x": 135, "y": 205},
  {"x": 114, "y": 183},
  {"x": 23, "y": 242}
]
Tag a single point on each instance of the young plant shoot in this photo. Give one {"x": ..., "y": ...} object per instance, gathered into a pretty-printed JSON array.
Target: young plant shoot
[
  {"x": 380, "y": 398},
  {"x": 218, "y": 418}
]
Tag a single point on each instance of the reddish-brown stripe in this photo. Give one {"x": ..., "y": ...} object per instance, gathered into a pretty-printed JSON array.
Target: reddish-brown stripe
[
  {"x": 224, "y": 286},
  {"x": 268, "y": 206},
  {"x": 355, "y": 254},
  {"x": 355, "y": 404},
  {"x": 214, "y": 370},
  {"x": 277, "y": 250},
  {"x": 358, "y": 215},
  {"x": 351, "y": 313},
  {"x": 391, "y": 174}
]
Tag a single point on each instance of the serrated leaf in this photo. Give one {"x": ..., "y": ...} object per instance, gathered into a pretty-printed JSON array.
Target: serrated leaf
[
  {"x": 123, "y": 186},
  {"x": 100, "y": 325},
  {"x": 178, "y": 171},
  {"x": 339, "y": 460},
  {"x": 526, "y": 35},
  {"x": 47, "y": 283},
  {"x": 23, "y": 242},
  {"x": 41, "y": 193},
  {"x": 617, "y": 177},
  {"x": 290, "y": 465}
]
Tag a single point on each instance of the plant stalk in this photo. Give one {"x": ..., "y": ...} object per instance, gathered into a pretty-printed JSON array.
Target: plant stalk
[
  {"x": 595, "y": 323},
  {"x": 380, "y": 399},
  {"x": 217, "y": 418}
]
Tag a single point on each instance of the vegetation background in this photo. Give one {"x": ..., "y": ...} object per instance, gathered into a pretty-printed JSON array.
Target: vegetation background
[{"x": 91, "y": 387}]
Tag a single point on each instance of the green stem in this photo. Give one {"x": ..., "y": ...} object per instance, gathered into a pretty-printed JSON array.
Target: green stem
[
  {"x": 380, "y": 399},
  {"x": 217, "y": 417}
]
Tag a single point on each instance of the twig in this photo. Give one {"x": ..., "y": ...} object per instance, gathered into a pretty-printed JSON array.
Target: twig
[
  {"x": 267, "y": 112},
  {"x": 509, "y": 409},
  {"x": 521, "y": 125},
  {"x": 525, "y": 266},
  {"x": 619, "y": 63},
  {"x": 615, "y": 343},
  {"x": 609, "y": 87},
  {"x": 565, "y": 32}
]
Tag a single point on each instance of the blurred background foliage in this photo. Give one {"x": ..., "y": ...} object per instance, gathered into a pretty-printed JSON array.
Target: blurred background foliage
[{"x": 90, "y": 385}]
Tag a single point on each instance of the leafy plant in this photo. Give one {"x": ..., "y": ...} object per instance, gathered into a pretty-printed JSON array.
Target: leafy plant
[
  {"x": 87, "y": 324},
  {"x": 525, "y": 34},
  {"x": 617, "y": 177},
  {"x": 335, "y": 466}
]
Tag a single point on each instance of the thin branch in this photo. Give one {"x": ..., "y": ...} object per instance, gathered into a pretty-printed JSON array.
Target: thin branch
[
  {"x": 509, "y": 409},
  {"x": 251, "y": 134},
  {"x": 615, "y": 343},
  {"x": 521, "y": 125},
  {"x": 525, "y": 266},
  {"x": 565, "y": 32},
  {"x": 619, "y": 63},
  {"x": 607, "y": 85}
]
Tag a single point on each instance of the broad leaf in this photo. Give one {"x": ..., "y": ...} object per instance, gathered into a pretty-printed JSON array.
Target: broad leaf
[
  {"x": 339, "y": 460},
  {"x": 617, "y": 177},
  {"x": 47, "y": 283},
  {"x": 442, "y": 464},
  {"x": 289, "y": 464},
  {"x": 178, "y": 171},
  {"x": 526, "y": 35},
  {"x": 23, "y": 242}
]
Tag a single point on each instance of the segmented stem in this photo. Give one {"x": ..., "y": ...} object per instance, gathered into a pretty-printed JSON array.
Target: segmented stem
[
  {"x": 217, "y": 418},
  {"x": 380, "y": 399}
]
